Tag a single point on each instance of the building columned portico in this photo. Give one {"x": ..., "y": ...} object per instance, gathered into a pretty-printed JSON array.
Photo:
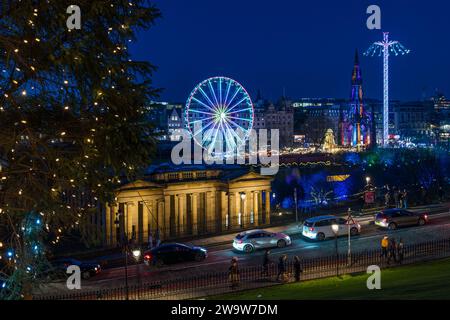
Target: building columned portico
[{"x": 182, "y": 202}]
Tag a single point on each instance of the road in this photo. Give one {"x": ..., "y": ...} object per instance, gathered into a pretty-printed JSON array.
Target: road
[{"x": 219, "y": 257}]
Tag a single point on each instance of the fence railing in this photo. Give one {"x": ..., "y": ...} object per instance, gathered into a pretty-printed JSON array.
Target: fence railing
[{"x": 255, "y": 276}]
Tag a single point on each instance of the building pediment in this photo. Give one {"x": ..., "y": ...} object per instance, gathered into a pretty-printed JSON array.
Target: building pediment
[
  {"x": 139, "y": 184},
  {"x": 250, "y": 176}
]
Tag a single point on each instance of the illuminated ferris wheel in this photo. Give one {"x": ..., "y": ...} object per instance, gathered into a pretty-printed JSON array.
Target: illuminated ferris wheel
[{"x": 219, "y": 111}]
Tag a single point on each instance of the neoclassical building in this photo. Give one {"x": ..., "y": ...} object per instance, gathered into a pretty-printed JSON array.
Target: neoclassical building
[{"x": 188, "y": 201}]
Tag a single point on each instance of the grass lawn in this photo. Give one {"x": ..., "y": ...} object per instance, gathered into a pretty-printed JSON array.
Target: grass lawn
[{"x": 430, "y": 280}]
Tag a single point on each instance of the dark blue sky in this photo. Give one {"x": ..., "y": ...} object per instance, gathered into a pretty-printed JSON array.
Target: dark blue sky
[{"x": 306, "y": 47}]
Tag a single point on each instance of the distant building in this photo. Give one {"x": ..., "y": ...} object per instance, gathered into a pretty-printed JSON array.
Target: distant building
[
  {"x": 183, "y": 201},
  {"x": 413, "y": 120},
  {"x": 441, "y": 119},
  {"x": 279, "y": 116},
  {"x": 167, "y": 119}
]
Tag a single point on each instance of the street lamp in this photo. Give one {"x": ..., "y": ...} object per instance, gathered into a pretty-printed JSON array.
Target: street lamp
[
  {"x": 295, "y": 200},
  {"x": 367, "y": 180},
  {"x": 335, "y": 228},
  {"x": 349, "y": 253},
  {"x": 242, "y": 209},
  {"x": 136, "y": 252}
]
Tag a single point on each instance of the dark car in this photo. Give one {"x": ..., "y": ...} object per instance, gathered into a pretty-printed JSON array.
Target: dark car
[
  {"x": 394, "y": 218},
  {"x": 88, "y": 269},
  {"x": 174, "y": 253}
]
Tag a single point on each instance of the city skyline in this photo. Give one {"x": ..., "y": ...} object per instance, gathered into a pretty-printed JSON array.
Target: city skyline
[{"x": 288, "y": 51}]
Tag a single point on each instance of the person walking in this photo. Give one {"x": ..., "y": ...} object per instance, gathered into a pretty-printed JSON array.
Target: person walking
[
  {"x": 266, "y": 263},
  {"x": 157, "y": 237},
  {"x": 233, "y": 273},
  {"x": 387, "y": 199},
  {"x": 297, "y": 268},
  {"x": 397, "y": 198},
  {"x": 441, "y": 194},
  {"x": 405, "y": 199},
  {"x": 400, "y": 251},
  {"x": 384, "y": 247},
  {"x": 392, "y": 251},
  {"x": 281, "y": 268}
]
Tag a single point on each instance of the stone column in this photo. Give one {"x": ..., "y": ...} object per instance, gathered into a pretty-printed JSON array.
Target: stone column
[
  {"x": 210, "y": 211},
  {"x": 231, "y": 210},
  {"x": 129, "y": 218},
  {"x": 255, "y": 208},
  {"x": 267, "y": 213},
  {"x": 181, "y": 214},
  {"x": 223, "y": 209},
  {"x": 194, "y": 213},
  {"x": 145, "y": 219},
  {"x": 166, "y": 222},
  {"x": 238, "y": 209}
]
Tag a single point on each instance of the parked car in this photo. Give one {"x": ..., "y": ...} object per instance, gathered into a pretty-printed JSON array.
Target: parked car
[
  {"x": 394, "y": 218},
  {"x": 320, "y": 228},
  {"x": 88, "y": 269},
  {"x": 249, "y": 241},
  {"x": 174, "y": 253}
]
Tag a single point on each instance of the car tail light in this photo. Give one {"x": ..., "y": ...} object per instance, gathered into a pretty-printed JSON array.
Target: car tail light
[
  {"x": 239, "y": 241},
  {"x": 425, "y": 216},
  {"x": 311, "y": 229},
  {"x": 148, "y": 257}
]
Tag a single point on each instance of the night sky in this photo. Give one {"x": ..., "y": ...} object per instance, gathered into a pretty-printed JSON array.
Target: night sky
[{"x": 305, "y": 47}]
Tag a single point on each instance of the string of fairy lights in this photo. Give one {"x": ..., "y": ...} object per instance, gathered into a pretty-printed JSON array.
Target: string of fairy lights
[{"x": 22, "y": 82}]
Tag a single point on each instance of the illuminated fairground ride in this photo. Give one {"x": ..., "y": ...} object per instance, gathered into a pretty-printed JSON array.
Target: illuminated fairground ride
[
  {"x": 385, "y": 48},
  {"x": 219, "y": 113}
]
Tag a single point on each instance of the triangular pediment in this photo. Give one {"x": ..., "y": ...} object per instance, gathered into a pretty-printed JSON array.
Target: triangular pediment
[
  {"x": 250, "y": 176},
  {"x": 139, "y": 184}
]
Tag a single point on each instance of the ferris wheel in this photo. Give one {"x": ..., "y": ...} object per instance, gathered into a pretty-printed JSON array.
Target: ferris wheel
[{"x": 219, "y": 111}]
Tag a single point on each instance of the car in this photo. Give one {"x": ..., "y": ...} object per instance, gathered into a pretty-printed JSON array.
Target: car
[
  {"x": 394, "y": 218},
  {"x": 320, "y": 228},
  {"x": 172, "y": 253},
  {"x": 88, "y": 269},
  {"x": 248, "y": 241}
]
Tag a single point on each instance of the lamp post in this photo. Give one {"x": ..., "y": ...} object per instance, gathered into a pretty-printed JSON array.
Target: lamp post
[
  {"x": 335, "y": 228},
  {"x": 295, "y": 200},
  {"x": 242, "y": 208},
  {"x": 367, "y": 180},
  {"x": 349, "y": 253},
  {"x": 136, "y": 252}
]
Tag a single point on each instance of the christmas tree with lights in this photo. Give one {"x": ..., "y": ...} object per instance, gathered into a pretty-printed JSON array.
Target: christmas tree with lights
[{"x": 72, "y": 114}]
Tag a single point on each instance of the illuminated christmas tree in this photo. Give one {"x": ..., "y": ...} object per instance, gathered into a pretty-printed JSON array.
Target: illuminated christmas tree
[{"x": 72, "y": 110}]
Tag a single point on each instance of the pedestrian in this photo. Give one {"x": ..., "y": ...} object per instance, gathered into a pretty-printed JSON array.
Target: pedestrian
[
  {"x": 157, "y": 237},
  {"x": 233, "y": 275},
  {"x": 405, "y": 199},
  {"x": 441, "y": 194},
  {"x": 387, "y": 199},
  {"x": 397, "y": 198},
  {"x": 423, "y": 195},
  {"x": 150, "y": 240},
  {"x": 297, "y": 268},
  {"x": 282, "y": 268},
  {"x": 400, "y": 251},
  {"x": 392, "y": 251},
  {"x": 266, "y": 263},
  {"x": 384, "y": 246}
]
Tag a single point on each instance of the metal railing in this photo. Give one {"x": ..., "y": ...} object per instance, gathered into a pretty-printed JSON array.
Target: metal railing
[{"x": 255, "y": 276}]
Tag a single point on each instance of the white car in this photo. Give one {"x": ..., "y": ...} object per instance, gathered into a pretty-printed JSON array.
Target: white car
[{"x": 320, "y": 228}]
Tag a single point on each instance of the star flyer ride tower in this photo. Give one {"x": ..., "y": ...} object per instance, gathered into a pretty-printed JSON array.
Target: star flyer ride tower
[{"x": 384, "y": 48}]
